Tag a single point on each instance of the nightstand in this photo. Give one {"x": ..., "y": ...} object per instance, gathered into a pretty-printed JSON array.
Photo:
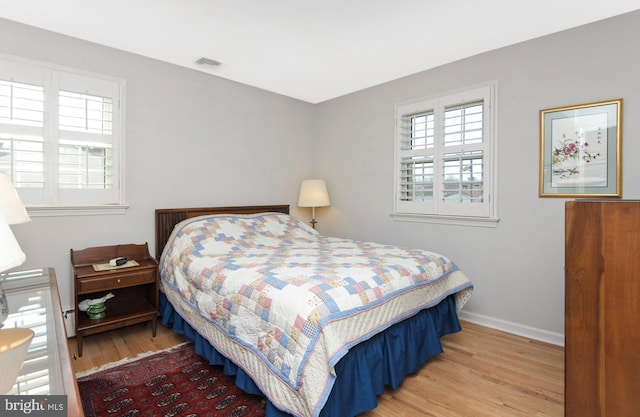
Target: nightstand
[{"x": 135, "y": 288}]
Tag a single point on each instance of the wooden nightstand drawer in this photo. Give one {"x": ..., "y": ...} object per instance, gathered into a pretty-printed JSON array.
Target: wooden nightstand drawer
[{"x": 119, "y": 280}]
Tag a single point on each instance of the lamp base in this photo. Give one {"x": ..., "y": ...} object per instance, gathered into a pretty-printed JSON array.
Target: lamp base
[
  {"x": 4, "y": 306},
  {"x": 313, "y": 223}
]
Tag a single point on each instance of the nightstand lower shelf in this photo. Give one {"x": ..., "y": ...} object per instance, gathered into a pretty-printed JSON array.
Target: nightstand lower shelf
[{"x": 120, "y": 316}]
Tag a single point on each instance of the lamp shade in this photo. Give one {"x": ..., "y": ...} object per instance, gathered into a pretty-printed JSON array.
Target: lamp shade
[
  {"x": 14, "y": 344},
  {"x": 313, "y": 193},
  {"x": 10, "y": 205},
  {"x": 10, "y": 253}
]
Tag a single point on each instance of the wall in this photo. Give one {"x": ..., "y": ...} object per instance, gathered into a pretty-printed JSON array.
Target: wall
[
  {"x": 191, "y": 140},
  {"x": 254, "y": 147},
  {"x": 517, "y": 267}
]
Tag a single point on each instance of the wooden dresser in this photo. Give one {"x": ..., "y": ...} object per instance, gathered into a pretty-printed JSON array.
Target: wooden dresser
[
  {"x": 34, "y": 303},
  {"x": 602, "y": 308}
]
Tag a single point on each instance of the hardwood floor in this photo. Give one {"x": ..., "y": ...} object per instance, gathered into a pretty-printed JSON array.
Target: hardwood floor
[
  {"x": 482, "y": 373},
  {"x": 127, "y": 342}
]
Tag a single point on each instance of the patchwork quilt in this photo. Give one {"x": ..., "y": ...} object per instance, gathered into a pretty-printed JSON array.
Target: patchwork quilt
[{"x": 286, "y": 303}]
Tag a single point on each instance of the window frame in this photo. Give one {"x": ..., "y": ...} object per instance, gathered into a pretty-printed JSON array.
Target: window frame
[
  {"x": 436, "y": 210},
  {"x": 55, "y": 78}
]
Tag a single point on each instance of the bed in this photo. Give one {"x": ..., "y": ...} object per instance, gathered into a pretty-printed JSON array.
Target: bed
[{"x": 317, "y": 325}]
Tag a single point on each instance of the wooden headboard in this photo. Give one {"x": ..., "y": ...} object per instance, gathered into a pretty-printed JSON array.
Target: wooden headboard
[{"x": 166, "y": 219}]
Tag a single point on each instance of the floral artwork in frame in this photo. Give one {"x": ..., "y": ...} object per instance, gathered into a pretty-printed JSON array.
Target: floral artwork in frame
[{"x": 580, "y": 150}]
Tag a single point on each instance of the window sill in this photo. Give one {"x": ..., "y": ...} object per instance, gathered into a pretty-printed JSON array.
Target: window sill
[
  {"x": 440, "y": 219},
  {"x": 88, "y": 210}
]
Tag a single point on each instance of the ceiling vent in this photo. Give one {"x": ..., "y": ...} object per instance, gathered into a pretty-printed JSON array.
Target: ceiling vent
[{"x": 207, "y": 61}]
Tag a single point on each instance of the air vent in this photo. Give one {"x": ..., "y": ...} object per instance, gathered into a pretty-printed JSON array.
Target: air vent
[{"x": 207, "y": 61}]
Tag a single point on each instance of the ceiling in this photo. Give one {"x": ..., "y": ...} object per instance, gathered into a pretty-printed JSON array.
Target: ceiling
[{"x": 310, "y": 50}]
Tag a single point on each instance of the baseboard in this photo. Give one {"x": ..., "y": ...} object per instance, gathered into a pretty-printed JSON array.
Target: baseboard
[
  {"x": 69, "y": 321},
  {"x": 503, "y": 325},
  {"x": 514, "y": 328}
]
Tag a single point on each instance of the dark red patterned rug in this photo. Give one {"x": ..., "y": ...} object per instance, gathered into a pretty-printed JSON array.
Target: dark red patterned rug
[{"x": 176, "y": 383}]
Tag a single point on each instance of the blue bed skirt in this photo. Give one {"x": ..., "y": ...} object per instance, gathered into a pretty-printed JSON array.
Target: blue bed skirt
[{"x": 383, "y": 360}]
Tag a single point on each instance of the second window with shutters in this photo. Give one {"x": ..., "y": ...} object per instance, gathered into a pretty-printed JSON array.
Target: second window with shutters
[{"x": 444, "y": 160}]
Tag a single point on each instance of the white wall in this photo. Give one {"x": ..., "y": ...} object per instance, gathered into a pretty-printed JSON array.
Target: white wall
[
  {"x": 192, "y": 140},
  {"x": 254, "y": 147},
  {"x": 518, "y": 267}
]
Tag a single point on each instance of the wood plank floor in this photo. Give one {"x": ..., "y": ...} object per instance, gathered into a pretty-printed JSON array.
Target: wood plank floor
[
  {"x": 103, "y": 348},
  {"x": 482, "y": 373}
]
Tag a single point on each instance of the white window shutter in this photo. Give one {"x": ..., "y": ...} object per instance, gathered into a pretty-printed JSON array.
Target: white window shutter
[
  {"x": 444, "y": 155},
  {"x": 61, "y": 135}
]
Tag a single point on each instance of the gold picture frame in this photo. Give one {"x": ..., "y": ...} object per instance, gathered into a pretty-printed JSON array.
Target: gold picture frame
[{"x": 581, "y": 150}]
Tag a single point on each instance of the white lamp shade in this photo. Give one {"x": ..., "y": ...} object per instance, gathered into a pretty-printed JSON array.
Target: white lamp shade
[
  {"x": 313, "y": 193},
  {"x": 14, "y": 344},
  {"x": 10, "y": 253},
  {"x": 11, "y": 207}
]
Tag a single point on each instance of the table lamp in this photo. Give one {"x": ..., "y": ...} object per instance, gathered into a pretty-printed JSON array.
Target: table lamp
[
  {"x": 14, "y": 342},
  {"x": 12, "y": 211},
  {"x": 313, "y": 193}
]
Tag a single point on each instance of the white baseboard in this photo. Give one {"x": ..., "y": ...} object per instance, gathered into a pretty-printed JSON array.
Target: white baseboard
[{"x": 514, "y": 328}]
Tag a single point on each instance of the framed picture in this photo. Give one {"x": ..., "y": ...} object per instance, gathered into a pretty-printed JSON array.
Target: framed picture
[{"x": 581, "y": 150}]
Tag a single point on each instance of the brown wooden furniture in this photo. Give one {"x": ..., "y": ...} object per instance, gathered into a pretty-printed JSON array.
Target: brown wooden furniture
[
  {"x": 602, "y": 306},
  {"x": 34, "y": 301},
  {"x": 166, "y": 219},
  {"x": 135, "y": 288}
]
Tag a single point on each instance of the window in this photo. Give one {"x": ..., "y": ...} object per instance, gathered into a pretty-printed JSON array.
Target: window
[
  {"x": 61, "y": 138},
  {"x": 445, "y": 151}
]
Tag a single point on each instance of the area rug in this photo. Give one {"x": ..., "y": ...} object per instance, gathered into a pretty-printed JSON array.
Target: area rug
[{"x": 171, "y": 383}]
